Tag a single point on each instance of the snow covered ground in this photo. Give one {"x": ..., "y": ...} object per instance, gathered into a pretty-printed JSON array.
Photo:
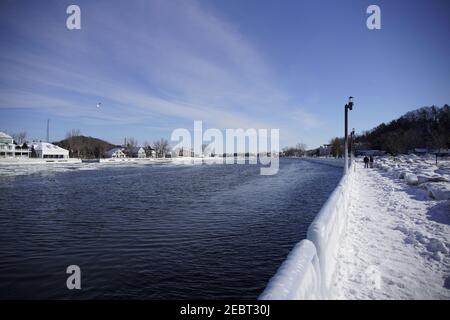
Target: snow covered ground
[{"x": 398, "y": 235}]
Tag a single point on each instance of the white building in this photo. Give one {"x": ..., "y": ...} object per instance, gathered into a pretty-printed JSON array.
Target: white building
[
  {"x": 116, "y": 152},
  {"x": 45, "y": 150},
  {"x": 8, "y": 149},
  {"x": 138, "y": 152},
  {"x": 152, "y": 152}
]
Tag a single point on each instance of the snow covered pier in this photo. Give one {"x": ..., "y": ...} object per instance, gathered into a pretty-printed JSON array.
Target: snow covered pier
[{"x": 380, "y": 235}]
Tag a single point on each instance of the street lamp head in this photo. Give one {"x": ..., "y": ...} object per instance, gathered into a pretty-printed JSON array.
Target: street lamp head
[{"x": 350, "y": 103}]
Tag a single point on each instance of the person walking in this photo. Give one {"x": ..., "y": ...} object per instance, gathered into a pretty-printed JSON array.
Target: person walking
[
  {"x": 371, "y": 161},
  {"x": 366, "y": 162}
]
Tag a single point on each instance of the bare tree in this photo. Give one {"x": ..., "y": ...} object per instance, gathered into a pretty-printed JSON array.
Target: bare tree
[
  {"x": 130, "y": 143},
  {"x": 70, "y": 141},
  {"x": 300, "y": 146},
  {"x": 298, "y": 151},
  {"x": 20, "y": 137},
  {"x": 161, "y": 147},
  {"x": 73, "y": 133}
]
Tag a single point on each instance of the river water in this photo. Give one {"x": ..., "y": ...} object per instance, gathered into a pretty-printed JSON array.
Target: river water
[{"x": 153, "y": 231}]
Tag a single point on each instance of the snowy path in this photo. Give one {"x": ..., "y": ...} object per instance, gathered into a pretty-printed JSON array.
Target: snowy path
[{"x": 397, "y": 242}]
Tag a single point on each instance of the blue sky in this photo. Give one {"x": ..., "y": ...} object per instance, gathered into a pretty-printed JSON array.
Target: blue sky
[{"x": 160, "y": 65}]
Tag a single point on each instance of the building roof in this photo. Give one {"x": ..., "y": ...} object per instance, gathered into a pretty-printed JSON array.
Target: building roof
[
  {"x": 110, "y": 152},
  {"x": 4, "y": 135},
  {"x": 5, "y": 138},
  {"x": 137, "y": 149},
  {"x": 48, "y": 148}
]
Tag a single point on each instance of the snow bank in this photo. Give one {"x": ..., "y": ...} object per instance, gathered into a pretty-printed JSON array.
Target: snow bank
[
  {"x": 411, "y": 179},
  {"x": 438, "y": 190},
  {"x": 308, "y": 273},
  {"x": 420, "y": 171}
]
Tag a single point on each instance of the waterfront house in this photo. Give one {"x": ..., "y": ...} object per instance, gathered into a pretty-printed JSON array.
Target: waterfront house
[
  {"x": 138, "y": 152},
  {"x": 22, "y": 151},
  {"x": 45, "y": 150},
  {"x": 8, "y": 149},
  {"x": 116, "y": 152},
  {"x": 150, "y": 152}
]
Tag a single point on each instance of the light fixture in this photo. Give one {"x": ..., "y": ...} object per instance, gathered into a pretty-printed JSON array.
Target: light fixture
[{"x": 350, "y": 103}]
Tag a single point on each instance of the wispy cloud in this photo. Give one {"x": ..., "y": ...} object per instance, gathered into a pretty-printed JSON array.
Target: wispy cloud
[
  {"x": 155, "y": 60},
  {"x": 305, "y": 119}
]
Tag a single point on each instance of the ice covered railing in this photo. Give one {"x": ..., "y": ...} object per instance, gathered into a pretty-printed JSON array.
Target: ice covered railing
[
  {"x": 309, "y": 270},
  {"x": 298, "y": 277}
]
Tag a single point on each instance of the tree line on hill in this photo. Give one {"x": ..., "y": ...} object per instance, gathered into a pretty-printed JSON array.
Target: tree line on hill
[
  {"x": 84, "y": 147},
  {"x": 427, "y": 127}
]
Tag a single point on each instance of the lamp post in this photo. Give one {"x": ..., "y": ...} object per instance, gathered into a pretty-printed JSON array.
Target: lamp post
[{"x": 348, "y": 106}]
